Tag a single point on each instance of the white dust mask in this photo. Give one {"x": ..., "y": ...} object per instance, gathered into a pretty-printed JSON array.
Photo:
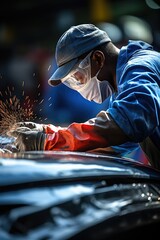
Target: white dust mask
[
  {"x": 90, "y": 88},
  {"x": 95, "y": 90}
]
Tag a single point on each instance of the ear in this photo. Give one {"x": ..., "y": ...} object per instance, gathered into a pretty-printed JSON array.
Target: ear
[{"x": 99, "y": 58}]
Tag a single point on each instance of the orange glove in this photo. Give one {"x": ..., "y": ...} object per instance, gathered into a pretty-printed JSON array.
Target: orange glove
[
  {"x": 77, "y": 137},
  {"x": 99, "y": 132}
]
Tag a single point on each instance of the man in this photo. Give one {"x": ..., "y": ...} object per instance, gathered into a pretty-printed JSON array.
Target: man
[{"x": 91, "y": 64}]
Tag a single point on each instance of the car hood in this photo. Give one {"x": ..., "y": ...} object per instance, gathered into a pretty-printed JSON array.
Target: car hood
[
  {"x": 70, "y": 195},
  {"x": 63, "y": 166}
]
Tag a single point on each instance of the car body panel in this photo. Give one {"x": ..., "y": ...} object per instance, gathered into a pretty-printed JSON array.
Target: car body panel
[{"x": 72, "y": 195}]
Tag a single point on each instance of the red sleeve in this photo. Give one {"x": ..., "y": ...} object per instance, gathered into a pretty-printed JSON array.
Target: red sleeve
[{"x": 76, "y": 137}]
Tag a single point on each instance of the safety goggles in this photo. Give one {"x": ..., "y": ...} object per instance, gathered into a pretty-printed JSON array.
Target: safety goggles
[{"x": 80, "y": 74}]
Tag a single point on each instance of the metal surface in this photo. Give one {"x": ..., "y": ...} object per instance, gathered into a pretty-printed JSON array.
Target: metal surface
[{"x": 69, "y": 195}]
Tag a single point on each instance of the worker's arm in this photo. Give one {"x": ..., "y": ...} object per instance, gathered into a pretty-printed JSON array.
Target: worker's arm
[{"x": 98, "y": 132}]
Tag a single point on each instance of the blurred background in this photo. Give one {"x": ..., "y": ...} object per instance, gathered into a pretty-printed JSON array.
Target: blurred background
[{"x": 29, "y": 30}]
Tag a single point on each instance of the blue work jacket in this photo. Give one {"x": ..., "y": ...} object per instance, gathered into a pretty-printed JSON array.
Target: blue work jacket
[{"x": 136, "y": 105}]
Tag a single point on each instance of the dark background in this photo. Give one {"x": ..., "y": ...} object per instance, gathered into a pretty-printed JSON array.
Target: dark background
[{"x": 29, "y": 30}]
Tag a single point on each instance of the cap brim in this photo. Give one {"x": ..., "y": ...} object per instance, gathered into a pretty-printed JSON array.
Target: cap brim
[{"x": 61, "y": 72}]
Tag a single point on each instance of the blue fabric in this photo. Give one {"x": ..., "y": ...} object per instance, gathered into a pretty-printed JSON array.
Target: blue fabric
[{"x": 136, "y": 107}]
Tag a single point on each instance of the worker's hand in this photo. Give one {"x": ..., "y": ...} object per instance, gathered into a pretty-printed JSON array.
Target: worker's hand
[
  {"x": 30, "y": 125},
  {"x": 10, "y": 148},
  {"x": 3, "y": 150},
  {"x": 28, "y": 140}
]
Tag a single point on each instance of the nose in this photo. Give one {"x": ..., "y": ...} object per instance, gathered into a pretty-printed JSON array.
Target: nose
[{"x": 81, "y": 77}]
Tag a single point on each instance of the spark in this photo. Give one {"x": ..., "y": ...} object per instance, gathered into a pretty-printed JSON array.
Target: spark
[
  {"x": 14, "y": 110},
  {"x": 49, "y": 67},
  {"x": 41, "y": 101}
]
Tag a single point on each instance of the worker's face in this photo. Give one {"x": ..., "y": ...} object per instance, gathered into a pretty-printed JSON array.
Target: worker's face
[
  {"x": 80, "y": 75},
  {"x": 86, "y": 83}
]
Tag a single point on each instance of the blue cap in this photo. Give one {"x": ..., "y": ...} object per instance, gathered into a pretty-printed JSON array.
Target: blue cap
[{"x": 76, "y": 41}]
